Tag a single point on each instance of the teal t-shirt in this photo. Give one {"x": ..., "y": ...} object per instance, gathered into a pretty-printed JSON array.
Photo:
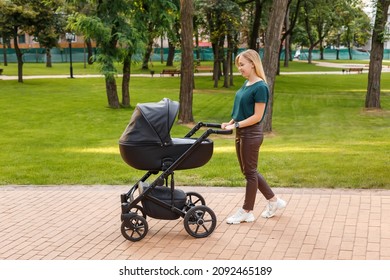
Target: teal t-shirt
[{"x": 245, "y": 99}]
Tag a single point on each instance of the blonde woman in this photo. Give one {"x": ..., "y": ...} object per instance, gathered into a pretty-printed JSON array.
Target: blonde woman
[{"x": 249, "y": 108}]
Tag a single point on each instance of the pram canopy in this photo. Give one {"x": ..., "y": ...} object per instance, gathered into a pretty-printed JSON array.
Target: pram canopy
[
  {"x": 146, "y": 143},
  {"x": 151, "y": 123}
]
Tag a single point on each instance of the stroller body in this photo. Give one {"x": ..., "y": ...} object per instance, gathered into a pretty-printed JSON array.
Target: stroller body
[{"x": 146, "y": 145}]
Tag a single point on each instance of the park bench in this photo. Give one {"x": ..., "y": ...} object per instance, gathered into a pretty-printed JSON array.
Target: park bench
[
  {"x": 171, "y": 72},
  {"x": 199, "y": 68},
  {"x": 1, "y": 71},
  {"x": 349, "y": 70}
]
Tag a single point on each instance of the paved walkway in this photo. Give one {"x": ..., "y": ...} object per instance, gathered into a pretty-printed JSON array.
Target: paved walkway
[{"x": 83, "y": 223}]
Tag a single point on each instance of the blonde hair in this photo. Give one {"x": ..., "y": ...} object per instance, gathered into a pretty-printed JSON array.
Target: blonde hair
[{"x": 254, "y": 57}]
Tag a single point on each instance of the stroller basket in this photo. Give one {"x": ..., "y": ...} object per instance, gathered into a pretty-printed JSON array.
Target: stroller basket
[{"x": 164, "y": 194}]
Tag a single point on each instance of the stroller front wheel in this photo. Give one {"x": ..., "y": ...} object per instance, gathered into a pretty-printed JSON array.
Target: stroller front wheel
[
  {"x": 138, "y": 210},
  {"x": 200, "y": 221},
  {"x": 134, "y": 227}
]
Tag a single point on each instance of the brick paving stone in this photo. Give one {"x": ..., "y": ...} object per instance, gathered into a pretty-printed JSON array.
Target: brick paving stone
[{"x": 83, "y": 223}]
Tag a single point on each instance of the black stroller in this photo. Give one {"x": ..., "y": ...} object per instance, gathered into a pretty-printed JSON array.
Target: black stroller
[{"x": 146, "y": 145}]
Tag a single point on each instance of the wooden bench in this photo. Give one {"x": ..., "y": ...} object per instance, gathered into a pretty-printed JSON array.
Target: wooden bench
[
  {"x": 199, "y": 68},
  {"x": 171, "y": 72},
  {"x": 1, "y": 71},
  {"x": 349, "y": 70}
]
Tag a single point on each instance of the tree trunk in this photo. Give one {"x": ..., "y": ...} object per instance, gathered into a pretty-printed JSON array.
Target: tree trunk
[
  {"x": 225, "y": 66},
  {"x": 19, "y": 55},
  {"x": 287, "y": 43},
  {"x": 253, "y": 44},
  {"x": 216, "y": 65},
  {"x": 349, "y": 49},
  {"x": 310, "y": 54},
  {"x": 89, "y": 51},
  {"x": 350, "y": 52},
  {"x": 126, "y": 81},
  {"x": 5, "y": 54},
  {"x": 112, "y": 94},
  {"x": 171, "y": 54},
  {"x": 321, "y": 50},
  {"x": 187, "y": 60},
  {"x": 289, "y": 27},
  {"x": 375, "y": 68},
  {"x": 229, "y": 60},
  {"x": 48, "y": 58},
  {"x": 271, "y": 53},
  {"x": 147, "y": 56},
  {"x": 225, "y": 70},
  {"x": 197, "y": 52}
]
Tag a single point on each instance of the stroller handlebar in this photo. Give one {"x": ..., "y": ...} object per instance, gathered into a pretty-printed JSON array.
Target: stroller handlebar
[
  {"x": 222, "y": 131},
  {"x": 215, "y": 125},
  {"x": 210, "y": 131}
]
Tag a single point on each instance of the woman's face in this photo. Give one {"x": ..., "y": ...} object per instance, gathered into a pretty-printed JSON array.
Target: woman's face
[{"x": 245, "y": 66}]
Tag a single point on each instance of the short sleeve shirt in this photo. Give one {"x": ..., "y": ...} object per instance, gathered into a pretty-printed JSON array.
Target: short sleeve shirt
[{"x": 246, "y": 97}]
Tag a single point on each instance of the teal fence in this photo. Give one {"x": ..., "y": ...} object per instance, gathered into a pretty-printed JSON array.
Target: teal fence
[{"x": 38, "y": 55}]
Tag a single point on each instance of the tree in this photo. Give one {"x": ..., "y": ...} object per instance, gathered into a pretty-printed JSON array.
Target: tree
[
  {"x": 87, "y": 8},
  {"x": 49, "y": 28},
  {"x": 352, "y": 24},
  {"x": 159, "y": 16},
  {"x": 223, "y": 21},
  {"x": 25, "y": 16},
  {"x": 271, "y": 53},
  {"x": 110, "y": 25},
  {"x": 6, "y": 31},
  {"x": 255, "y": 28},
  {"x": 255, "y": 14},
  {"x": 173, "y": 35},
  {"x": 187, "y": 75},
  {"x": 289, "y": 25},
  {"x": 318, "y": 19},
  {"x": 130, "y": 41},
  {"x": 375, "y": 67}
]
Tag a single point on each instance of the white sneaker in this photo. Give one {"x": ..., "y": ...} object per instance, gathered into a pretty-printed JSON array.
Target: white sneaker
[
  {"x": 271, "y": 208},
  {"x": 241, "y": 216}
]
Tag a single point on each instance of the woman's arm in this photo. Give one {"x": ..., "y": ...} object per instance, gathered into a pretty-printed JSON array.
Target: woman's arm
[{"x": 255, "y": 118}]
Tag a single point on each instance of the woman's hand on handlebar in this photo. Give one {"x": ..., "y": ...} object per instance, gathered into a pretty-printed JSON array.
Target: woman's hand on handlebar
[{"x": 227, "y": 126}]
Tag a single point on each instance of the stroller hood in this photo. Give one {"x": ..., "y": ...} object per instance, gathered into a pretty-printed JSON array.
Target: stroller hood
[{"x": 151, "y": 124}]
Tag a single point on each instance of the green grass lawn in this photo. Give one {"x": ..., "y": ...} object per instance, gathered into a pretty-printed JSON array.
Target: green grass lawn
[{"x": 60, "y": 131}]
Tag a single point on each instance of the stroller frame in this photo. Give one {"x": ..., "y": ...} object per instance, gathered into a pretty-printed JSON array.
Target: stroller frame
[{"x": 199, "y": 220}]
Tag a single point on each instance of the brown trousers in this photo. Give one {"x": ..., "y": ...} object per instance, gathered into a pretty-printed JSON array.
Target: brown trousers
[{"x": 248, "y": 142}]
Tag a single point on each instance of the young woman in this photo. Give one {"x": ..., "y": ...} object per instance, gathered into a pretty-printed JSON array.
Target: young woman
[{"x": 248, "y": 112}]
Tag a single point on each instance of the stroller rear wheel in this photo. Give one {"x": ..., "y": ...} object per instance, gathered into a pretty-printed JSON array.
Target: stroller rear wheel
[
  {"x": 193, "y": 199},
  {"x": 134, "y": 227},
  {"x": 200, "y": 221}
]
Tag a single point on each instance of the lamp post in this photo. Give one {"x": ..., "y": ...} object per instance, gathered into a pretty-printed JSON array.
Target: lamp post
[
  {"x": 70, "y": 37},
  {"x": 338, "y": 45}
]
